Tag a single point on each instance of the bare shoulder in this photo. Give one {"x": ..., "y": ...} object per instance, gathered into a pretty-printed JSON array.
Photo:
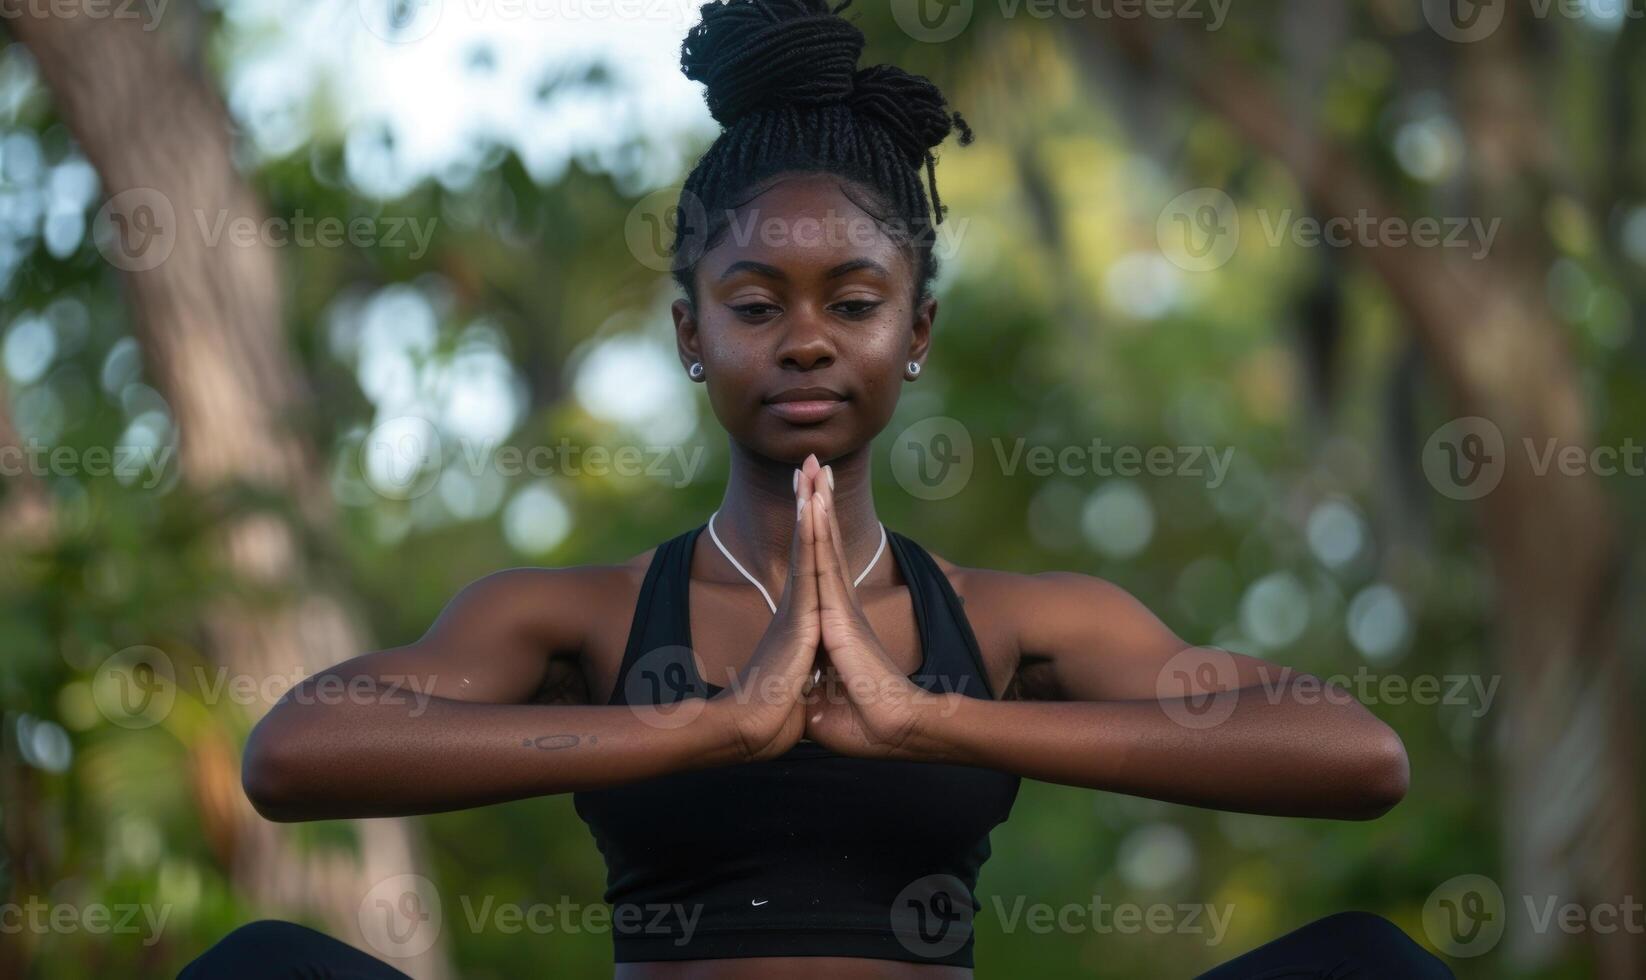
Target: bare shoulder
[
  {"x": 1066, "y": 635},
  {"x": 1026, "y": 596},
  {"x": 1057, "y": 611},
  {"x": 555, "y": 606}
]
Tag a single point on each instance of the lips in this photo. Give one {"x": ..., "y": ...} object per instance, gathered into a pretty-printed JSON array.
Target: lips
[
  {"x": 812, "y": 394},
  {"x": 806, "y": 406}
]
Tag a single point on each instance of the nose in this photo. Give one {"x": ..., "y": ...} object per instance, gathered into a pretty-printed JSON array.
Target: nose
[{"x": 806, "y": 345}]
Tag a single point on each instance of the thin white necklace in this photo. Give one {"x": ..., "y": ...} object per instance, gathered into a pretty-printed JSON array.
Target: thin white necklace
[{"x": 745, "y": 572}]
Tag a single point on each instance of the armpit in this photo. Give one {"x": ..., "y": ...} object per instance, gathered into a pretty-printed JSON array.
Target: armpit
[{"x": 563, "y": 683}]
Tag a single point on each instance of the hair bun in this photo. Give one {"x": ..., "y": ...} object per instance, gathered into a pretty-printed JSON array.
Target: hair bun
[
  {"x": 760, "y": 54},
  {"x": 911, "y": 109}
]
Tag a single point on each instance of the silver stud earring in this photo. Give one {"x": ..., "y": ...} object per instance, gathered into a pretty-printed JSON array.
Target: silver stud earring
[
  {"x": 697, "y": 371},
  {"x": 914, "y": 370}
]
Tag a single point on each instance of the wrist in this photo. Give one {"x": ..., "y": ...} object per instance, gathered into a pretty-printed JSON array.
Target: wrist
[
  {"x": 933, "y": 736},
  {"x": 721, "y": 741}
]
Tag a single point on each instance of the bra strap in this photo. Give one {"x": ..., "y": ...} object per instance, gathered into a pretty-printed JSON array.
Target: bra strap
[
  {"x": 659, "y": 612},
  {"x": 954, "y": 653}
]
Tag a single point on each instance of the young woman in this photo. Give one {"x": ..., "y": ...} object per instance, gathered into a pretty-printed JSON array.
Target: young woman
[{"x": 801, "y": 725}]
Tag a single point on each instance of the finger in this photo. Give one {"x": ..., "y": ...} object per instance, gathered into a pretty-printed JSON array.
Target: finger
[
  {"x": 829, "y": 593},
  {"x": 834, "y": 594},
  {"x": 815, "y": 517},
  {"x": 800, "y": 592},
  {"x": 826, "y": 483}
]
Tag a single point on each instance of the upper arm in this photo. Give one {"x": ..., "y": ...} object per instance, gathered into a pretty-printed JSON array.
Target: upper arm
[
  {"x": 1091, "y": 640},
  {"x": 494, "y": 640}
]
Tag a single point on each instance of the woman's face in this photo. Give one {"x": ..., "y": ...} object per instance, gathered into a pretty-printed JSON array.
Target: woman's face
[{"x": 805, "y": 323}]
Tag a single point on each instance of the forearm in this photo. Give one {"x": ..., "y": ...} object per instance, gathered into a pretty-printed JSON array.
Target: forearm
[
  {"x": 316, "y": 761},
  {"x": 1285, "y": 757}
]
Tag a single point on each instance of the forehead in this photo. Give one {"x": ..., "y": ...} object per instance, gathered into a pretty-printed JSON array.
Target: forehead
[{"x": 805, "y": 226}]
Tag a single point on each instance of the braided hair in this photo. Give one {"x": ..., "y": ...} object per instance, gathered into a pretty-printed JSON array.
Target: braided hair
[{"x": 783, "y": 83}]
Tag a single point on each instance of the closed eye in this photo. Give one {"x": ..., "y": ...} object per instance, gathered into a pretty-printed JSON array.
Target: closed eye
[
  {"x": 855, "y": 309},
  {"x": 752, "y": 310},
  {"x": 860, "y": 308}
]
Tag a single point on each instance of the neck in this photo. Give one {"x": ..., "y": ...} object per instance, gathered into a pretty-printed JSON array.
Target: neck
[{"x": 756, "y": 519}]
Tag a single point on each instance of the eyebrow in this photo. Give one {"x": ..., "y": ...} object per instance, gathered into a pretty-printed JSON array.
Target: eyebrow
[{"x": 773, "y": 272}]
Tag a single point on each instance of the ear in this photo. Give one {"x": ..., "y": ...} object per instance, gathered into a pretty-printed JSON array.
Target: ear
[
  {"x": 920, "y": 342},
  {"x": 685, "y": 333}
]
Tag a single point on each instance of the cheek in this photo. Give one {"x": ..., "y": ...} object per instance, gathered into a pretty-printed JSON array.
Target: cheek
[
  {"x": 880, "y": 375},
  {"x": 732, "y": 359},
  {"x": 735, "y": 370}
]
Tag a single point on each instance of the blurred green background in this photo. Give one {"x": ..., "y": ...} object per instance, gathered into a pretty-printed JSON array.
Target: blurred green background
[{"x": 302, "y": 257}]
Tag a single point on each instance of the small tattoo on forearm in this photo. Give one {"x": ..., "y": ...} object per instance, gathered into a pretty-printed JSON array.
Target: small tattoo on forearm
[{"x": 556, "y": 741}]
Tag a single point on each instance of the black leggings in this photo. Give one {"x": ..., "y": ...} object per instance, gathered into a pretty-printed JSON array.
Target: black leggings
[{"x": 1345, "y": 946}]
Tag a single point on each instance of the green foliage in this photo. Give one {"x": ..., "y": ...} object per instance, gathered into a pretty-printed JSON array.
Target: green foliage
[{"x": 1036, "y": 340}]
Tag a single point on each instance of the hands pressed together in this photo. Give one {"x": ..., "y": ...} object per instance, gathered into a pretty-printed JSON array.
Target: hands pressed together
[{"x": 819, "y": 672}]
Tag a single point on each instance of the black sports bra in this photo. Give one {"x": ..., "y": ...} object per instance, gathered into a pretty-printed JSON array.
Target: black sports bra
[{"x": 809, "y": 854}]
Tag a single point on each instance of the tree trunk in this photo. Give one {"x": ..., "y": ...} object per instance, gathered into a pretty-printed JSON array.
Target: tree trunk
[
  {"x": 25, "y": 505},
  {"x": 210, "y": 324}
]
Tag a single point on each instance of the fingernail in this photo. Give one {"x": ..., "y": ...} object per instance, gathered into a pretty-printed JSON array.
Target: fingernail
[
  {"x": 830, "y": 471},
  {"x": 796, "y": 482}
]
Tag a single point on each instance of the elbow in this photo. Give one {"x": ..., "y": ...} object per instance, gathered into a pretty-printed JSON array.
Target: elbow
[
  {"x": 1385, "y": 777},
  {"x": 269, "y": 778}
]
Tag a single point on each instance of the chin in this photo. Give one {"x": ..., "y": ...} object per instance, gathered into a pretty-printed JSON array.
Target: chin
[{"x": 827, "y": 441}]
